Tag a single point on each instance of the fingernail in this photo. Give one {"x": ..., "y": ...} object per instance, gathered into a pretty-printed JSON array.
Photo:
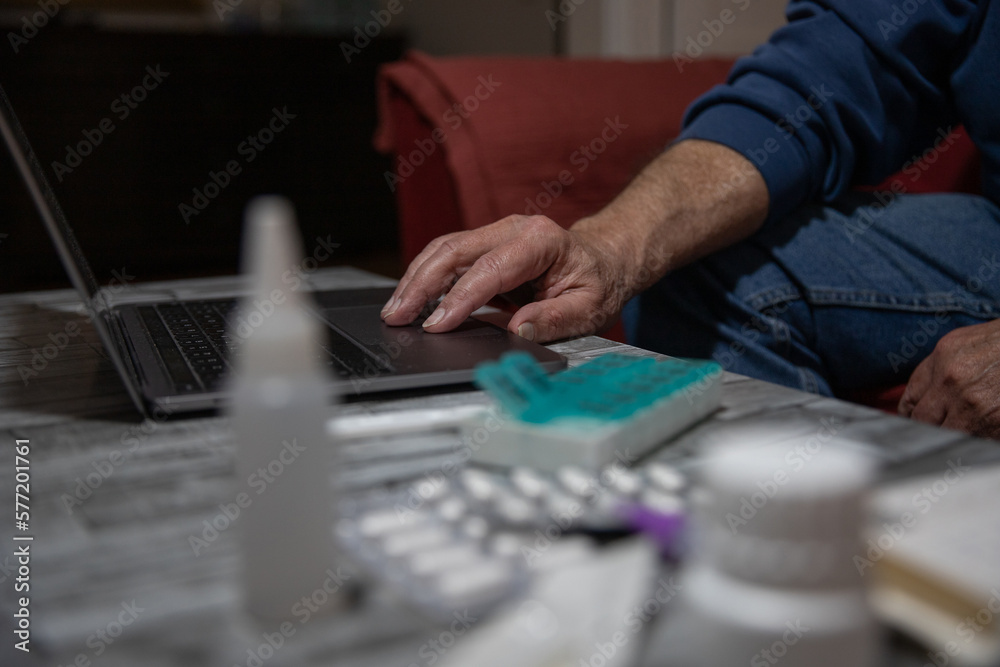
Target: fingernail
[
  {"x": 390, "y": 307},
  {"x": 435, "y": 317},
  {"x": 526, "y": 330}
]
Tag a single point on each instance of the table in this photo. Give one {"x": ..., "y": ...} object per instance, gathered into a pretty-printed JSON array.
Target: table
[{"x": 114, "y": 498}]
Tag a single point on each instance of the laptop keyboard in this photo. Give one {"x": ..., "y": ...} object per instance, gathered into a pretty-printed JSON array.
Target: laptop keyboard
[{"x": 196, "y": 347}]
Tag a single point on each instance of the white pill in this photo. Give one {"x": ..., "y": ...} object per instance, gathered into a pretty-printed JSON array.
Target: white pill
[
  {"x": 476, "y": 527},
  {"x": 606, "y": 506},
  {"x": 666, "y": 478},
  {"x": 514, "y": 509},
  {"x": 530, "y": 482},
  {"x": 665, "y": 503},
  {"x": 452, "y": 509},
  {"x": 400, "y": 544},
  {"x": 507, "y": 544},
  {"x": 431, "y": 491},
  {"x": 575, "y": 480},
  {"x": 560, "y": 505},
  {"x": 487, "y": 578},
  {"x": 624, "y": 482},
  {"x": 480, "y": 486},
  {"x": 436, "y": 561},
  {"x": 381, "y": 522}
]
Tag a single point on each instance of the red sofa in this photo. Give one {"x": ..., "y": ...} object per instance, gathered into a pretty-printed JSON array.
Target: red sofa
[{"x": 476, "y": 139}]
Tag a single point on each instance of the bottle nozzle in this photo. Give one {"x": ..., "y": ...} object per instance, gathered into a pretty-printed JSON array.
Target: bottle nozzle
[{"x": 277, "y": 333}]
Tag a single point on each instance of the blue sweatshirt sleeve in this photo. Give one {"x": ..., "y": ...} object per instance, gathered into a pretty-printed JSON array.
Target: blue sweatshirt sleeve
[{"x": 843, "y": 94}]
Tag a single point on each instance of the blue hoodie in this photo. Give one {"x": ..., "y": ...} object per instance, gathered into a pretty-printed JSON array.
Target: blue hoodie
[{"x": 850, "y": 90}]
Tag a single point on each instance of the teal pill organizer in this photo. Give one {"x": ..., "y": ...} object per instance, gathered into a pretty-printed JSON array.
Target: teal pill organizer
[{"x": 612, "y": 407}]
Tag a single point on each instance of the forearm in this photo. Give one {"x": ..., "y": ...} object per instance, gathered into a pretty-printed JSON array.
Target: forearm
[{"x": 694, "y": 199}]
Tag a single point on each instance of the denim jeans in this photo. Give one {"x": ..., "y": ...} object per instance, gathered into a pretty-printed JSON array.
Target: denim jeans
[{"x": 833, "y": 298}]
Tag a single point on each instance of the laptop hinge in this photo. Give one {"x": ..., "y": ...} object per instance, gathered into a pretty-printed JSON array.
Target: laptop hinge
[{"x": 121, "y": 358}]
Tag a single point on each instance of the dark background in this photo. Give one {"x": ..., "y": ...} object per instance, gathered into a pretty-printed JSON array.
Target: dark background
[{"x": 123, "y": 200}]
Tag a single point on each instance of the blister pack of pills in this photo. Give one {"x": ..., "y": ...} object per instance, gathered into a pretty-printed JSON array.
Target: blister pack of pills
[
  {"x": 561, "y": 459},
  {"x": 473, "y": 540}
]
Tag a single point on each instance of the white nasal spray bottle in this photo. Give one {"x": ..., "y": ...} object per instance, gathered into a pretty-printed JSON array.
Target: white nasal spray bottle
[{"x": 280, "y": 400}]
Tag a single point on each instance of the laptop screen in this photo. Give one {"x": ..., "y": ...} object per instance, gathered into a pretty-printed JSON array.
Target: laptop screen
[
  {"x": 41, "y": 192},
  {"x": 153, "y": 142}
]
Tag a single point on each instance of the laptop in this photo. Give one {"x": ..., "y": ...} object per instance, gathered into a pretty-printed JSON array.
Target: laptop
[{"x": 174, "y": 357}]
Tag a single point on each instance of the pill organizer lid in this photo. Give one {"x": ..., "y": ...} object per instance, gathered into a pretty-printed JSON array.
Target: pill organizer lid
[{"x": 609, "y": 388}]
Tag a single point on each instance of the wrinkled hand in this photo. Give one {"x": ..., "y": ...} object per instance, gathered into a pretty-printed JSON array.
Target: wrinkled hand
[
  {"x": 958, "y": 385},
  {"x": 579, "y": 281}
]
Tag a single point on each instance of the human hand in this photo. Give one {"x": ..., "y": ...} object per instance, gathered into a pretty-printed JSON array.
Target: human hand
[
  {"x": 958, "y": 385},
  {"x": 693, "y": 199},
  {"x": 580, "y": 281}
]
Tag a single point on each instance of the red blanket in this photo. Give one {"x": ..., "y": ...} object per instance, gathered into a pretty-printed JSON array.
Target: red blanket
[{"x": 559, "y": 137}]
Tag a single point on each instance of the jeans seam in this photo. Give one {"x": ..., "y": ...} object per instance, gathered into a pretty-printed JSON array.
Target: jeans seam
[
  {"x": 929, "y": 303},
  {"x": 772, "y": 296}
]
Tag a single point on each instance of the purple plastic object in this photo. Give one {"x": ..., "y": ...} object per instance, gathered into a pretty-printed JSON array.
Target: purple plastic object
[{"x": 666, "y": 530}]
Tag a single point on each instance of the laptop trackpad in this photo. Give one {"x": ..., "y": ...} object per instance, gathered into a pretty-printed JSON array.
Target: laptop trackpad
[{"x": 411, "y": 349}]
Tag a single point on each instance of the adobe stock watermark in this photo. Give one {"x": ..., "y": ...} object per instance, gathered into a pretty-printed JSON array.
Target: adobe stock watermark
[
  {"x": 259, "y": 481},
  {"x": 779, "y": 649},
  {"x": 581, "y": 158},
  {"x": 695, "y": 45},
  {"x": 453, "y": 119},
  {"x": 918, "y": 164},
  {"x": 297, "y": 275},
  {"x": 786, "y": 127},
  {"x": 250, "y": 316},
  {"x": 796, "y": 459},
  {"x": 795, "y": 119},
  {"x": 968, "y": 629},
  {"x": 303, "y": 611},
  {"x": 632, "y": 624},
  {"x": 435, "y": 648},
  {"x": 922, "y": 502},
  {"x": 698, "y": 388},
  {"x": 363, "y": 35},
  {"x": 566, "y": 9},
  {"x": 376, "y": 362},
  {"x": 764, "y": 322},
  {"x": 266, "y": 10},
  {"x": 430, "y": 485},
  {"x": 865, "y": 217},
  {"x": 31, "y": 24},
  {"x": 60, "y": 340},
  {"x": 103, "y": 637},
  {"x": 106, "y": 466},
  {"x": 654, "y": 266},
  {"x": 565, "y": 518},
  {"x": 929, "y": 328},
  {"x": 248, "y": 149},
  {"x": 121, "y": 108},
  {"x": 900, "y": 16}
]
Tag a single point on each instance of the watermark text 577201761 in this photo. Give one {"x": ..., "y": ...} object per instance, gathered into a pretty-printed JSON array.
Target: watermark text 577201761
[{"x": 22, "y": 549}]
